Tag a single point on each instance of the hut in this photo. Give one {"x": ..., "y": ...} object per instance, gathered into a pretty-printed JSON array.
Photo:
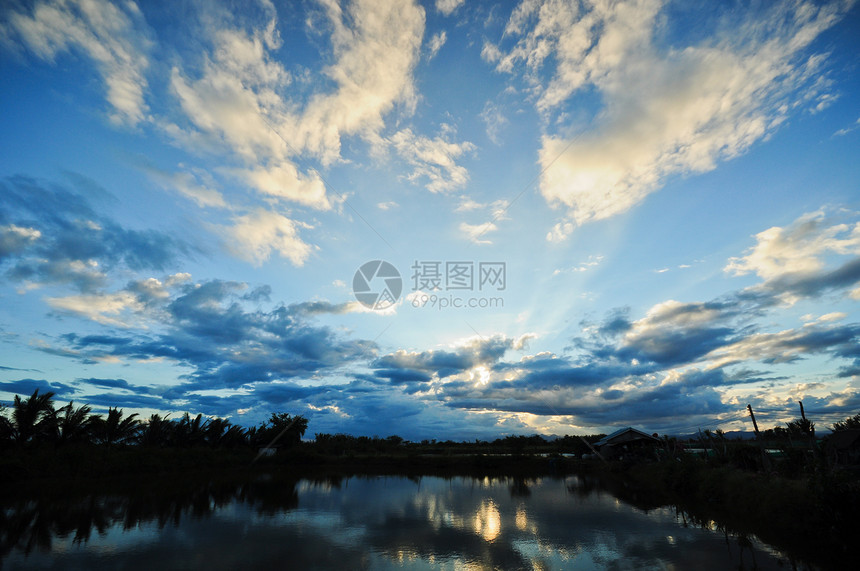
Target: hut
[{"x": 627, "y": 442}]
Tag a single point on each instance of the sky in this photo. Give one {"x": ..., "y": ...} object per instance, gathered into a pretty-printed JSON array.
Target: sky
[{"x": 442, "y": 220}]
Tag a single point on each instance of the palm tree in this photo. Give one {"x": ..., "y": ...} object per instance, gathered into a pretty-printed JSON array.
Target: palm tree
[
  {"x": 157, "y": 431},
  {"x": 115, "y": 429},
  {"x": 74, "y": 423},
  {"x": 214, "y": 431},
  {"x": 189, "y": 432},
  {"x": 33, "y": 418},
  {"x": 6, "y": 431},
  {"x": 235, "y": 436}
]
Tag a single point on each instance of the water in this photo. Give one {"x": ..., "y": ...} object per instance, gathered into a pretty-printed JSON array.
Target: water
[{"x": 363, "y": 523}]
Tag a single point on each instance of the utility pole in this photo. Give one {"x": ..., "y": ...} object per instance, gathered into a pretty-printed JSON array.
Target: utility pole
[
  {"x": 765, "y": 462},
  {"x": 752, "y": 416},
  {"x": 803, "y": 416},
  {"x": 811, "y": 432}
]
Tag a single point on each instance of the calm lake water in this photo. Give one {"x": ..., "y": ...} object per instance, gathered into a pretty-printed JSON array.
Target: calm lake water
[{"x": 364, "y": 523}]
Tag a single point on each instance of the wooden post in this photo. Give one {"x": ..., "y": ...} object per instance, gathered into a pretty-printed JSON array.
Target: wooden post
[
  {"x": 764, "y": 459},
  {"x": 752, "y": 416},
  {"x": 811, "y": 433}
]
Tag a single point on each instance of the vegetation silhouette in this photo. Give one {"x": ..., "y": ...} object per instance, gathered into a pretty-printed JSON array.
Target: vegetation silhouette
[
  {"x": 800, "y": 493},
  {"x": 35, "y": 422}
]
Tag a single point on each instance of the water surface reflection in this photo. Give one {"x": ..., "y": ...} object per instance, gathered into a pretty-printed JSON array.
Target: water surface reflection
[{"x": 363, "y": 523}]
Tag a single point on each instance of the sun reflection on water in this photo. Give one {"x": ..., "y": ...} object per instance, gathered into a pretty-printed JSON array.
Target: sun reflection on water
[{"x": 488, "y": 521}]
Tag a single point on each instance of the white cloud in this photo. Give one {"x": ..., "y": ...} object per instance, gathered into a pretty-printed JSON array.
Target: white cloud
[
  {"x": 592, "y": 262},
  {"x": 242, "y": 100},
  {"x": 671, "y": 316},
  {"x": 187, "y": 184},
  {"x": 666, "y": 110},
  {"x": 434, "y": 160},
  {"x": 475, "y": 232},
  {"x": 847, "y": 130},
  {"x": 177, "y": 279},
  {"x": 102, "y": 308},
  {"x": 495, "y": 121},
  {"x": 108, "y": 34},
  {"x": 559, "y": 232},
  {"x": 374, "y": 62},
  {"x": 798, "y": 249},
  {"x": 14, "y": 238},
  {"x": 387, "y": 205},
  {"x": 781, "y": 347},
  {"x": 285, "y": 181},
  {"x": 447, "y": 7},
  {"x": 255, "y": 236},
  {"x": 435, "y": 44},
  {"x": 496, "y": 209}
]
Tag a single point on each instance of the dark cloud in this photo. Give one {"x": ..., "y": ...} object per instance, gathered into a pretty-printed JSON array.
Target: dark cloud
[
  {"x": 681, "y": 401},
  {"x": 25, "y": 387},
  {"x": 404, "y": 376},
  {"x": 847, "y": 275},
  {"x": 442, "y": 364},
  {"x": 320, "y": 307},
  {"x": 49, "y": 233},
  {"x": 619, "y": 370},
  {"x": 617, "y": 322},
  {"x": 115, "y": 384},
  {"x": 208, "y": 328},
  {"x": 258, "y": 294},
  {"x": 2, "y": 368}
]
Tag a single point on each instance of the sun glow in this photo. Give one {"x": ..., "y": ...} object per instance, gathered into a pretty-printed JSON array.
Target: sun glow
[{"x": 480, "y": 375}]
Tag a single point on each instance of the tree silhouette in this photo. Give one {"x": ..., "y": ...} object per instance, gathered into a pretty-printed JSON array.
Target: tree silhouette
[
  {"x": 115, "y": 429},
  {"x": 188, "y": 431},
  {"x": 33, "y": 418},
  {"x": 73, "y": 424},
  {"x": 157, "y": 431},
  {"x": 6, "y": 430},
  {"x": 281, "y": 429},
  {"x": 801, "y": 427},
  {"x": 847, "y": 424}
]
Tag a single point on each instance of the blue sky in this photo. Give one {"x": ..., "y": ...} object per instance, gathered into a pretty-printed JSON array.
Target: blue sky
[{"x": 670, "y": 188}]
